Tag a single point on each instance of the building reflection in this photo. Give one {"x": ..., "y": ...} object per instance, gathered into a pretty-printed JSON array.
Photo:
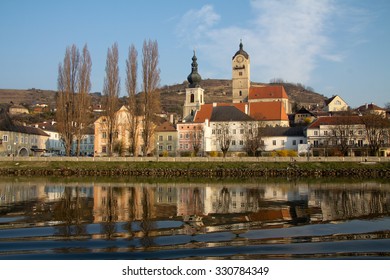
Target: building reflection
[{"x": 139, "y": 209}]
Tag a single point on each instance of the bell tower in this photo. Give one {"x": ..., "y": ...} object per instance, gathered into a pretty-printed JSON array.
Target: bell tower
[
  {"x": 240, "y": 75},
  {"x": 194, "y": 93}
]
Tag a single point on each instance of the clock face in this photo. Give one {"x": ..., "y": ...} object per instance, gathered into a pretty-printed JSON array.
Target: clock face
[{"x": 240, "y": 59}]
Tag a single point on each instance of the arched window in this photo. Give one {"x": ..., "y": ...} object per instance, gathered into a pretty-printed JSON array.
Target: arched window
[{"x": 192, "y": 98}]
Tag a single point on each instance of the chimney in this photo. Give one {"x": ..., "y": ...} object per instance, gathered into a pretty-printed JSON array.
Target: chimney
[
  {"x": 206, "y": 122},
  {"x": 214, "y": 104},
  {"x": 171, "y": 118},
  {"x": 246, "y": 109}
]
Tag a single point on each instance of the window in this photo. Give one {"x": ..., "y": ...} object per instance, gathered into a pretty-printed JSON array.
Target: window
[
  {"x": 233, "y": 142},
  {"x": 315, "y": 143},
  {"x": 241, "y": 131},
  {"x": 274, "y": 142},
  {"x": 241, "y": 142},
  {"x": 192, "y": 98},
  {"x": 316, "y": 133},
  {"x": 240, "y": 74},
  {"x": 234, "y": 131},
  {"x": 5, "y": 138},
  {"x": 181, "y": 136},
  {"x": 294, "y": 142},
  {"x": 104, "y": 149},
  {"x": 104, "y": 135},
  {"x": 282, "y": 142},
  {"x": 240, "y": 93},
  {"x": 170, "y": 137},
  {"x": 169, "y": 148},
  {"x": 325, "y": 132},
  {"x": 360, "y": 143},
  {"x": 187, "y": 136},
  {"x": 160, "y": 147},
  {"x": 160, "y": 138},
  {"x": 213, "y": 131}
]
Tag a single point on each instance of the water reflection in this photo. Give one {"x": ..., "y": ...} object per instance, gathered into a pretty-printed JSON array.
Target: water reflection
[{"x": 247, "y": 220}]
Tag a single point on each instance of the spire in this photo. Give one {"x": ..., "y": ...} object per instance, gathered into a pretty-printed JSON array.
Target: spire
[{"x": 194, "y": 78}]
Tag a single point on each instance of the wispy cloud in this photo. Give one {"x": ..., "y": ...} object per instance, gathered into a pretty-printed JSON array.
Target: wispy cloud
[{"x": 284, "y": 39}]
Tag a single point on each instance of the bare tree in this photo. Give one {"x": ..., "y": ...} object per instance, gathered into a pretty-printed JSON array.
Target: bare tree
[
  {"x": 344, "y": 132},
  {"x": 131, "y": 87},
  {"x": 82, "y": 106},
  {"x": 151, "y": 98},
  {"x": 67, "y": 84},
  {"x": 111, "y": 94},
  {"x": 253, "y": 134},
  {"x": 223, "y": 137},
  {"x": 377, "y": 131},
  {"x": 196, "y": 139}
]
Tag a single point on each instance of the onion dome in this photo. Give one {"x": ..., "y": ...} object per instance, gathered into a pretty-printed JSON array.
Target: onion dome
[
  {"x": 194, "y": 78},
  {"x": 241, "y": 52}
]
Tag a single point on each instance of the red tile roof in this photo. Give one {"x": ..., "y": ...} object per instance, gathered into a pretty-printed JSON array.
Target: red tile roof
[
  {"x": 207, "y": 109},
  {"x": 268, "y": 111},
  {"x": 336, "y": 120},
  {"x": 266, "y": 92},
  {"x": 165, "y": 127}
]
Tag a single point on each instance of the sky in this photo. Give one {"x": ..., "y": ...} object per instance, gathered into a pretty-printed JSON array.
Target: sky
[{"x": 333, "y": 46}]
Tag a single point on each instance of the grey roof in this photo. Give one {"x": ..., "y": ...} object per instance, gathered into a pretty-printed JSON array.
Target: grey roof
[
  {"x": 228, "y": 114},
  {"x": 6, "y": 124},
  {"x": 284, "y": 131}
]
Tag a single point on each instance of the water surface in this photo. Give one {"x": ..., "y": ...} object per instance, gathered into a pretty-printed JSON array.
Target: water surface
[{"x": 267, "y": 220}]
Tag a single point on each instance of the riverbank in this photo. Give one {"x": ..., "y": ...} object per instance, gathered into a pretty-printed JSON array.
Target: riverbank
[{"x": 192, "y": 169}]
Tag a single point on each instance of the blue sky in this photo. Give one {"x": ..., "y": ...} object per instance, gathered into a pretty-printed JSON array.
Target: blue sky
[{"x": 334, "y": 46}]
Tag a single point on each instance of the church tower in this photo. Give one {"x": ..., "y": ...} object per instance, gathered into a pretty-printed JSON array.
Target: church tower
[
  {"x": 240, "y": 75},
  {"x": 194, "y": 93}
]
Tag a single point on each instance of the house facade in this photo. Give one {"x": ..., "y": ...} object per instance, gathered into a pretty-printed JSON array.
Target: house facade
[
  {"x": 16, "y": 140},
  {"x": 166, "y": 139},
  {"x": 335, "y": 104}
]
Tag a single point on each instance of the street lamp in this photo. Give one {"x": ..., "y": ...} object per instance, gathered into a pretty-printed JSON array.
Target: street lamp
[{"x": 157, "y": 151}]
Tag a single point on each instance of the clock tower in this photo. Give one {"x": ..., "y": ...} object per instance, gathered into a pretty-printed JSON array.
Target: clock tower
[
  {"x": 194, "y": 93},
  {"x": 240, "y": 75}
]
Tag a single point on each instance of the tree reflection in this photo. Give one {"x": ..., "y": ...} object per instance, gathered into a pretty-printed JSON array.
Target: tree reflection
[
  {"x": 146, "y": 222},
  {"x": 73, "y": 211}
]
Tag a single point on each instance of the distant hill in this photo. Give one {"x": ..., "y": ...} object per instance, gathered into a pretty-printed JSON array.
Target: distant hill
[
  {"x": 216, "y": 90},
  {"x": 172, "y": 97}
]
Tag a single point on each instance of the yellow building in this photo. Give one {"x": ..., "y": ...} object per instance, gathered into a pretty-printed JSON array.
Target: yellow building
[{"x": 121, "y": 136}]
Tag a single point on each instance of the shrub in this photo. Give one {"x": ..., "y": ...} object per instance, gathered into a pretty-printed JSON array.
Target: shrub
[{"x": 213, "y": 154}]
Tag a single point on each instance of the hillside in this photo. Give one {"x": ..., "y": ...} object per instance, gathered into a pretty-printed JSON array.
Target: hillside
[{"x": 172, "y": 97}]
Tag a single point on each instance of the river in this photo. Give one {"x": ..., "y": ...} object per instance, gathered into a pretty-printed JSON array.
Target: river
[{"x": 268, "y": 219}]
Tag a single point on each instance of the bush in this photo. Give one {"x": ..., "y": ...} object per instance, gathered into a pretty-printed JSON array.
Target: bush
[
  {"x": 186, "y": 154},
  {"x": 292, "y": 153},
  {"x": 213, "y": 154}
]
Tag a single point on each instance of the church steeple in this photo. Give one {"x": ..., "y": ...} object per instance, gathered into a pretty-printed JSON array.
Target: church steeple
[{"x": 194, "y": 78}]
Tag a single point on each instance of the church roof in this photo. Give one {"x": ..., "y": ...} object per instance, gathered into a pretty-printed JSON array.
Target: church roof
[
  {"x": 241, "y": 52},
  {"x": 194, "y": 78},
  {"x": 264, "y": 92},
  {"x": 228, "y": 114},
  {"x": 268, "y": 111}
]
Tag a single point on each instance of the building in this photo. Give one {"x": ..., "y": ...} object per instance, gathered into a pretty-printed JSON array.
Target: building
[
  {"x": 122, "y": 140},
  {"x": 338, "y": 135},
  {"x": 17, "y": 140},
  {"x": 194, "y": 93},
  {"x": 190, "y": 138},
  {"x": 283, "y": 138},
  {"x": 335, "y": 104},
  {"x": 240, "y": 75},
  {"x": 54, "y": 144},
  {"x": 371, "y": 109},
  {"x": 166, "y": 139},
  {"x": 273, "y": 93}
]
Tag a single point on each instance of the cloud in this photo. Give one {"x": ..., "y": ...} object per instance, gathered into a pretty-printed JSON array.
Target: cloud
[
  {"x": 285, "y": 39},
  {"x": 195, "y": 24}
]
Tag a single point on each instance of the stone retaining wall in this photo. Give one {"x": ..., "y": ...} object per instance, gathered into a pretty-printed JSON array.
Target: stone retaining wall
[{"x": 202, "y": 173}]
